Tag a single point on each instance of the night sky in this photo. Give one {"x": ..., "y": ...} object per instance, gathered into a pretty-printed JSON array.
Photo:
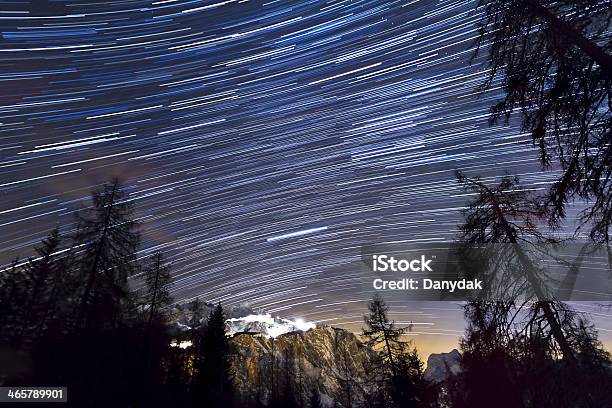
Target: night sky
[{"x": 263, "y": 142}]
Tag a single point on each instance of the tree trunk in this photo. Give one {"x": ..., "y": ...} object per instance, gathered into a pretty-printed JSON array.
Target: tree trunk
[
  {"x": 528, "y": 269},
  {"x": 388, "y": 347},
  {"x": 153, "y": 300},
  {"x": 555, "y": 327},
  {"x": 94, "y": 269}
]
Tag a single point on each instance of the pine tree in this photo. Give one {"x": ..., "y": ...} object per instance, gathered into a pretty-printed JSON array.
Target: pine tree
[
  {"x": 553, "y": 61},
  {"x": 213, "y": 383},
  {"x": 529, "y": 353},
  {"x": 381, "y": 333},
  {"x": 98, "y": 351},
  {"x": 397, "y": 368},
  {"x": 45, "y": 283},
  {"x": 157, "y": 289},
  {"x": 506, "y": 214},
  {"x": 12, "y": 293},
  {"x": 33, "y": 293},
  {"x": 155, "y": 351},
  {"x": 107, "y": 233}
]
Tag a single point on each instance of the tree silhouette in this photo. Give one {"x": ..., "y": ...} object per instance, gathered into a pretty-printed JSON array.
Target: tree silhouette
[
  {"x": 33, "y": 292},
  {"x": 154, "y": 301},
  {"x": 35, "y": 298},
  {"x": 381, "y": 332},
  {"x": 157, "y": 289},
  {"x": 505, "y": 214},
  {"x": 213, "y": 382},
  {"x": 12, "y": 292},
  {"x": 533, "y": 351},
  {"x": 553, "y": 60},
  {"x": 45, "y": 283},
  {"x": 107, "y": 231},
  {"x": 396, "y": 366}
]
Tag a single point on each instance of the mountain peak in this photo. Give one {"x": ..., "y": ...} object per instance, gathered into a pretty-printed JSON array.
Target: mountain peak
[
  {"x": 266, "y": 325},
  {"x": 442, "y": 365}
]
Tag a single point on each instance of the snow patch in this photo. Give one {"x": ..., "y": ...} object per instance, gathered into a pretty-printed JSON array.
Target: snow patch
[
  {"x": 181, "y": 344},
  {"x": 266, "y": 325}
]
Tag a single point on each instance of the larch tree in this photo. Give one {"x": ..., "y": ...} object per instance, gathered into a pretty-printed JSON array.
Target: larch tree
[
  {"x": 108, "y": 234},
  {"x": 156, "y": 297},
  {"x": 519, "y": 344},
  {"x": 552, "y": 59},
  {"x": 395, "y": 362},
  {"x": 505, "y": 214},
  {"x": 154, "y": 300}
]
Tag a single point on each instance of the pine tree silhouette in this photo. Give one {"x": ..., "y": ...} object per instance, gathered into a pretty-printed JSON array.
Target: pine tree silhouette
[
  {"x": 107, "y": 232},
  {"x": 12, "y": 292},
  {"x": 157, "y": 290},
  {"x": 397, "y": 367},
  {"x": 45, "y": 283},
  {"x": 505, "y": 214},
  {"x": 553, "y": 61},
  {"x": 213, "y": 383},
  {"x": 154, "y": 301},
  {"x": 99, "y": 351},
  {"x": 514, "y": 347}
]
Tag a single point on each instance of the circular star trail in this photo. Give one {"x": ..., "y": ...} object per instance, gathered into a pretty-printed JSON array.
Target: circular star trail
[{"x": 263, "y": 142}]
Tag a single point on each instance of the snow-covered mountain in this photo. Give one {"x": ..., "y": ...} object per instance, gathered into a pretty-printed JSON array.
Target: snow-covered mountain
[
  {"x": 240, "y": 319},
  {"x": 266, "y": 324},
  {"x": 268, "y": 349}
]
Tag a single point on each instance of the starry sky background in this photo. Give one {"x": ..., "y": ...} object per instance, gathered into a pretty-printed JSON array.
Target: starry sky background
[{"x": 263, "y": 142}]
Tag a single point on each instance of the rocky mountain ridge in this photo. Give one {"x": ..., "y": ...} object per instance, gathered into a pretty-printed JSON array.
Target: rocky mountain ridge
[
  {"x": 269, "y": 350},
  {"x": 440, "y": 366},
  {"x": 333, "y": 359}
]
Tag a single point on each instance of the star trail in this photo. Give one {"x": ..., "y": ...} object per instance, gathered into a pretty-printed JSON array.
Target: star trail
[{"x": 263, "y": 143}]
